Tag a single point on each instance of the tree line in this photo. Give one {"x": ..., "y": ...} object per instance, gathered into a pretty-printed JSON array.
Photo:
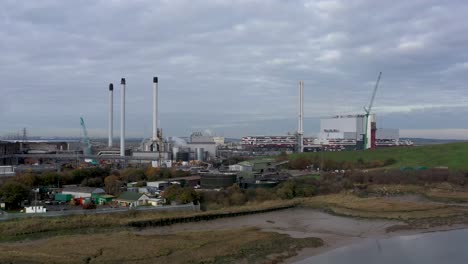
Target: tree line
[{"x": 19, "y": 188}]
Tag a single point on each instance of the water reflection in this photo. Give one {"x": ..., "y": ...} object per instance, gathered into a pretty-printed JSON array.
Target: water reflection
[{"x": 430, "y": 248}]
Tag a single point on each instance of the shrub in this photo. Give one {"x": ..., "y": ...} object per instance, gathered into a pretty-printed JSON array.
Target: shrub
[
  {"x": 286, "y": 190},
  {"x": 132, "y": 175},
  {"x": 390, "y": 161},
  {"x": 13, "y": 193},
  {"x": 93, "y": 182},
  {"x": 262, "y": 194},
  {"x": 299, "y": 163},
  {"x": 181, "y": 195}
]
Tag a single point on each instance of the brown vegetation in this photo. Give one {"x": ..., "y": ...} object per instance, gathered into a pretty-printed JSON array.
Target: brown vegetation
[
  {"x": 38, "y": 226},
  {"x": 376, "y": 207},
  {"x": 226, "y": 246}
]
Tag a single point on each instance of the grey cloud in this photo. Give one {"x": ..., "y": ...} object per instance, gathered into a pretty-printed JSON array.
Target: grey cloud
[{"x": 230, "y": 65}]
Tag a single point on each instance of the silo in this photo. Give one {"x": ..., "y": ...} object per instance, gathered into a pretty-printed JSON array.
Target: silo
[
  {"x": 200, "y": 154},
  {"x": 175, "y": 150}
]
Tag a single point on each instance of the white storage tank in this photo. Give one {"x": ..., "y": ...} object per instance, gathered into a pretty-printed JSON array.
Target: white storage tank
[
  {"x": 175, "y": 150},
  {"x": 200, "y": 154}
]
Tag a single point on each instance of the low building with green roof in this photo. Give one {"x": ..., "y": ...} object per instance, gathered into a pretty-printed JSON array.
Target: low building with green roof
[{"x": 102, "y": 198}]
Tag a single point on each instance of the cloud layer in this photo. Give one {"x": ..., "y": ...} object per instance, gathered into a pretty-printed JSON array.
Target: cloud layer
[{"x": 231, "y": 66}]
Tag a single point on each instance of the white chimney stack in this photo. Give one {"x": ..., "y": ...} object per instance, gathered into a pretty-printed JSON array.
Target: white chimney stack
[
  {"x": 155, "y": 109},
  {"x": 122, "y": 119},
  {"x": 111, "y": 114},
  {"x": 300, "y": 131}
]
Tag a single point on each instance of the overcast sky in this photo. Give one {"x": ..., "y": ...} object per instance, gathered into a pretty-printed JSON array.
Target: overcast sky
[{"x": 233, "y": 66}]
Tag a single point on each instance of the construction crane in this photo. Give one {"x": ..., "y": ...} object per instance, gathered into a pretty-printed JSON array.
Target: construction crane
[
  {"x": 86, "y": 142},
  {"x": 367, "y": 133}
]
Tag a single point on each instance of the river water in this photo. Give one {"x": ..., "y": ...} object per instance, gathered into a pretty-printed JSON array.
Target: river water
[{"x": 429, "y": 248}]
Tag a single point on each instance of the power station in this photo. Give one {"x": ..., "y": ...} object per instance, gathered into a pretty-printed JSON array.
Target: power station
[{"x": 339, "y": 132}]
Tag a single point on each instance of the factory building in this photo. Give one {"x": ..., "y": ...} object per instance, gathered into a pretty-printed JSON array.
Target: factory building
[
  {"x": 388, "y": 133},
  {"x": 346, "y": 132},
  {"x": 344, "y": 127},
  {"x": 6, "y": 150},
  {"x": 202, "y": 146},
  {"x": 390, "y": 137},
  {"x": 44, "y": 146},
  {"x": 213, "y": 180},
  {"x": 269, "y": 142},
  {"x": 219, "y": 141},
  {"x": 10, "y": 147},
  {"x": 343, "y": 132}
]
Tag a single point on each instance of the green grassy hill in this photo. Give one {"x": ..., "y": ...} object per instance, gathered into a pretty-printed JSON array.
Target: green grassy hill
[{"x": 453, "y": 155}]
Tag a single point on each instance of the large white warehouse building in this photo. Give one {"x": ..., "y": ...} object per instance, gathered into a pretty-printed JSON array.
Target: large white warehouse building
[{"x": 343, "y": 127}]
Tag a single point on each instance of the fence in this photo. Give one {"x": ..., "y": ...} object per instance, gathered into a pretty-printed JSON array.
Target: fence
[{"x": 168, "y": 208}]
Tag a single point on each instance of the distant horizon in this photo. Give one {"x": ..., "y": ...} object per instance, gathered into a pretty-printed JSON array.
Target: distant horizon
[{"x": 141, "y": 138}]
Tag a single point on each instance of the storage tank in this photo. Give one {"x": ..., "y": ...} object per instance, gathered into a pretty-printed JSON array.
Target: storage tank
[
  {"x": 200, "y": 154},
  {"x": 175, "y": 150}
]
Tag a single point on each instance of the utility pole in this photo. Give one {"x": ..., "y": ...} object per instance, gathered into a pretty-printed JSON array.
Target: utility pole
[{"x": 36, "y": 190}]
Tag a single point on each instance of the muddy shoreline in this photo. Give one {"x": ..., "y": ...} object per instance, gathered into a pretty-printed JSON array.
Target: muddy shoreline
[{"x": 335, "y": 231}]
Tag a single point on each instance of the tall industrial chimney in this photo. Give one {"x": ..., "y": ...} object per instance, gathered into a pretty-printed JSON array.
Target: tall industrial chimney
[
  {"x": 300, "y": 131},
  {"x": 111, "y": 114},
  {"x": 155, "y": 109},
  {"x": 122, "y": 119}
]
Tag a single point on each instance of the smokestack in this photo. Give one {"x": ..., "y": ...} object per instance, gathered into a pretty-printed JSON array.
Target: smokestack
[
  {"x": 300, "y": 131},
  {"x": 111, "y": 114},
  {"x": 122, "y": 119},
  {"x": 155, "y": 108}
]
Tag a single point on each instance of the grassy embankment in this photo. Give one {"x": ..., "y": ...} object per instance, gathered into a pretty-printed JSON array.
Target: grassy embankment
[
  {"x": 38, "y": 227},
  {"x": 453, "y": 155},
  {"x": 378, "y": 207},
  {"x": 346, "y": 204},
  {"x": 415, "y": 214},
  {"x": 225, "y": 246},
  {"x": 110, "y": 239},
  {"x": 443, "y": 192}
]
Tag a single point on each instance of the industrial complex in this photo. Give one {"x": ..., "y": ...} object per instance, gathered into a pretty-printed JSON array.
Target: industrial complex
[
  {"x": 339, "y": 132},
  {"x": 204, "y": 159}
]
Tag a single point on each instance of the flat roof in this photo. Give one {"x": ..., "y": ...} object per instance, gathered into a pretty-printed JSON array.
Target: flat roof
[{"x": 188, "y": 178}]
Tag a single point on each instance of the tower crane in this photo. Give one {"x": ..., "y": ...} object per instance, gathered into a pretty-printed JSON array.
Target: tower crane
[
  {"x": 367, "y": 135},
  {"x": 86, "y": 142}
]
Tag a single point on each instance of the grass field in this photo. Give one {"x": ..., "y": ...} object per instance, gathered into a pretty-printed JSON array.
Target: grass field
[{"x": 453, "y": 155}]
